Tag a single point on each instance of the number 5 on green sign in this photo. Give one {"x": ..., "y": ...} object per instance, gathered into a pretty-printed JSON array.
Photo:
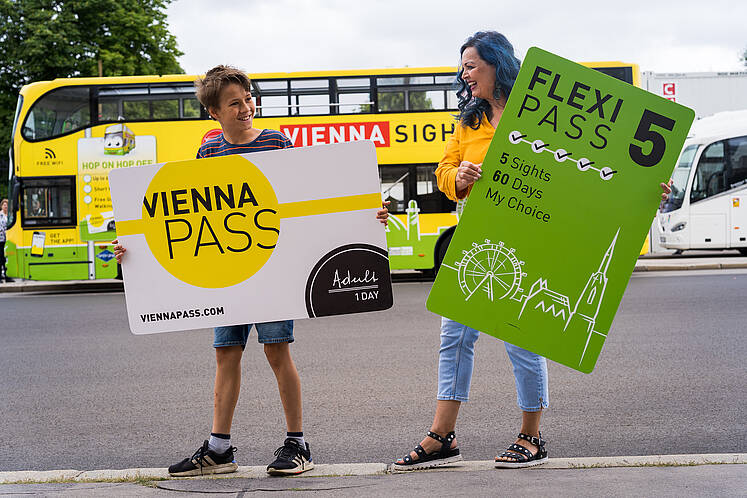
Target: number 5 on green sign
[{"x": 644, "y": 134}]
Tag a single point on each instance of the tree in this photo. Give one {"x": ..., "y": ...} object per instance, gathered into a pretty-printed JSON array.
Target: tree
[
  {"x": 395, "y": 101},
  {"x": 47, "y": 39}
]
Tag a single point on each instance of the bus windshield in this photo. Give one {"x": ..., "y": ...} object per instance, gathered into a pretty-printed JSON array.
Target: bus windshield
[{"x": 679, "y": 179}]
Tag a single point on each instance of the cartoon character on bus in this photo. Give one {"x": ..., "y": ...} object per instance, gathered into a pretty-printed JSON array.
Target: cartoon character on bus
[{"x": 118, "y": 140}]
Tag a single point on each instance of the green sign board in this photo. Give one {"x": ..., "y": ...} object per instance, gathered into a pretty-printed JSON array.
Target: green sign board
[{"x": 550, "y": 235}]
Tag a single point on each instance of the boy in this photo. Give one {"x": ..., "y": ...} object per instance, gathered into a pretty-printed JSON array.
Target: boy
[{"x": 226, "y": 93}]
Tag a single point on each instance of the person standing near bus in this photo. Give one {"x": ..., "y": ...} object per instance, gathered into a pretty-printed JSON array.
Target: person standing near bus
[
  {"x": 3, "y": 226},
  {"x": 485, "y": 79},
  {"x": 226, "y": 93}
]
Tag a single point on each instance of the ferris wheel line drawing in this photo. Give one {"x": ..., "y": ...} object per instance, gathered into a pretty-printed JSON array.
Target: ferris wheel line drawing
[{"x": 490, "y": 267}]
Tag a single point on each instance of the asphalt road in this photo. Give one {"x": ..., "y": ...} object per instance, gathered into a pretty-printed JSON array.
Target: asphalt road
[{"x": 79, "y": 391}]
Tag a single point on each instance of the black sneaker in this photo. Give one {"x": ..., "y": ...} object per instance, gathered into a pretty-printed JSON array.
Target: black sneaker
[
  {"x": 205, "y": 461},
  {"x": 291, "y": 459}
]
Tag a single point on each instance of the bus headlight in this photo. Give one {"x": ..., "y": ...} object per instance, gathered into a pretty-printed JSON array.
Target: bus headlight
[{"x": 678, "y": 227}]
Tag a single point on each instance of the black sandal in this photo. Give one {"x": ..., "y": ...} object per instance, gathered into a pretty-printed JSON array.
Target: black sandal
[
  {"x": 444, "y": 456},
  {"x": 522, "y": 457}
]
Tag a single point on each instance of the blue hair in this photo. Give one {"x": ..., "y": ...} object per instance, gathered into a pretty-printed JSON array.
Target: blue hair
[{"x": 497, "y": 51}]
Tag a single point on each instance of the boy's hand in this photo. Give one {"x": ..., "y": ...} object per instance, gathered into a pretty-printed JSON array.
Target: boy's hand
[
  {"x": 383, "y": 214},
  {"x": 667, "y": 188},
  {"x": 118, "y": 251}
]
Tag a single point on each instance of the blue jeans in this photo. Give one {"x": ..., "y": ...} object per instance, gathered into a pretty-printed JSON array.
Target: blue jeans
[
  {"x": 267, "y": 333},
  {"x": 456, "y": 362}
]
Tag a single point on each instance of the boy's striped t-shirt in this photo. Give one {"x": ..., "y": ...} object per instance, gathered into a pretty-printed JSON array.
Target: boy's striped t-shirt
[{"x": 267, "y": 140}]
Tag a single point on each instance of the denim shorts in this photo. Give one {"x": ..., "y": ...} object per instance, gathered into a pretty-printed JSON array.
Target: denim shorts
[{"x": 267, "y": 333}]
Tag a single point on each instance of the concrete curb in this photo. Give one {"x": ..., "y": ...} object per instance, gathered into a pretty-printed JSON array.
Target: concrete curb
[
  {"x": 370, "y": 469},
  {"x": 111, "y": 285},
  {"x": 688, "y": 266},
  {"x": 102, "y": 285}
]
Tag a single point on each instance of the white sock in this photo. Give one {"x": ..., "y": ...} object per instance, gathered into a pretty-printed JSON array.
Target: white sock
[{"x": 219, "y": 443}]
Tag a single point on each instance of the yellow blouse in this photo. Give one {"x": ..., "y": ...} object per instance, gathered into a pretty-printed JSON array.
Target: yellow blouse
[{"x": 465, "y": 144}]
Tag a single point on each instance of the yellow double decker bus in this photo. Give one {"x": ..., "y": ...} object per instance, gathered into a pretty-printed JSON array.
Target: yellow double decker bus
[{"x": 69, "y": 133}]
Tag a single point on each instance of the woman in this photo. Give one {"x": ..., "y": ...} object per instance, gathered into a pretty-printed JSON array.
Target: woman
[
  {"x": 3, "y": 225},
  {"x": 485, "y": 79}
]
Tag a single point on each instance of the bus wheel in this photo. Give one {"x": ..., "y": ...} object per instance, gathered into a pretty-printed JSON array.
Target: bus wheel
[{"x": 441, "y": 246}]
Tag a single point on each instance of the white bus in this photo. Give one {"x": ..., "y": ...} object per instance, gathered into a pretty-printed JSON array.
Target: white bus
[{"x": 708, "y": 205}]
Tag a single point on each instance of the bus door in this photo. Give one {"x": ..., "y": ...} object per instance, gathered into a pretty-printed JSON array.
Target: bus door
[
  {"x": 718, "y": 216},
  {"x": 707, "y": 201},
  {"x": 736, "y": 150}
]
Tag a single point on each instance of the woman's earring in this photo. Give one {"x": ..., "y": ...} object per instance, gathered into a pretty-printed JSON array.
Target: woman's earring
[{"x": 497, "y": 92}]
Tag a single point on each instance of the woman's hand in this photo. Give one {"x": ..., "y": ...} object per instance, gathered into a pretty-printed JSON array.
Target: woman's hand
[
  {"x": 467, "y": 174},
  {"x": 383, "y": 214},
  {"x": 667, "y": 189},
  {"x": 118, "y": 251}
]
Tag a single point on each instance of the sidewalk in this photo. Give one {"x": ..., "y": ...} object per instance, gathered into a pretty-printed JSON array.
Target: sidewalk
[
  {"x": 659, "y": 475},
  {"x": 655, "y": 262}
]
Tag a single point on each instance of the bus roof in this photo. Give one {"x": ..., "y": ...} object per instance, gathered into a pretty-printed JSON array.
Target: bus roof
[
  {"x": 719, "y": 126},
  {"x": 171, "y": 78},
  {"x": 43, "y": 86}
]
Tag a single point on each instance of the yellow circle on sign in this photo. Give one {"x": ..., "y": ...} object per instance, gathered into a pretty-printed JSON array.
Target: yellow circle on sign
[
  {"x": 96, "y": 220},
  {"x": 211, "y": 223}
]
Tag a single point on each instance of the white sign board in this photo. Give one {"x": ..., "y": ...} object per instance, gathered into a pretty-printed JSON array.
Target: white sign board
[{"x": 250, "y": 238}]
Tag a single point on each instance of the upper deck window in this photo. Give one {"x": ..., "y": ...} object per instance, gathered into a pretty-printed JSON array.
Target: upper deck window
[
  {"x": 415, "y": 93},
  {"x": 147, "y": 103},
  {"x": 622, "y": 73},
  {"x": 60, "y": 111},
  {"x": 68, "y": 109}
]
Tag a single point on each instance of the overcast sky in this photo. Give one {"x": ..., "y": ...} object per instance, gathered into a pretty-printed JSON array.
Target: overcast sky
[{"x": 284, "y": 35}]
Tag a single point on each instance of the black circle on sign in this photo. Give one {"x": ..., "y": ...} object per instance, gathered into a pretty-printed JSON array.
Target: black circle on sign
[{"x": 349, "y": 279}]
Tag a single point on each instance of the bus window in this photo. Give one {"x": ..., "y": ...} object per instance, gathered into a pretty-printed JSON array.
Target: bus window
[
  {"x": 736, "y": 150},
  {"x": 402, "y": 184},
  {"x": 270, "y": 105},
  {"x": 396, "y": 81},
  {"x": 391, "y": 101},
  {"x": 413, "y": 93},
  {"x": 60, "y": 111},
  {"x": 310, "y": 97},
  {"x": 108, "y": 111},
  {"x": 429, "y": 198},
  {"x": 165, "y": 109},
  {"x": 710, "y": 175},
  {"x": 354, "y": 103},
  {"x": 622, "y": 73},
  {"x": 353, "y": 95},
  {"x": 679, "y": 179},
  {"x": 147, "y": 103},
  {"x": 426, "y": 101},
  {"x": 136, "y": 110},
  {"x": 271, "y": 97},
  {"x": 354, "y": 83},
  {"x": 190, "y": 108},
  {"x": 47, "y": 201},
  {"x": 446, "y": 80},
  {"x": 395, "y": 186}
]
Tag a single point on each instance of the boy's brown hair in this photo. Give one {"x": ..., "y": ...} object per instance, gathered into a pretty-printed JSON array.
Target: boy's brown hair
[{"x": 208, "y": 89}]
